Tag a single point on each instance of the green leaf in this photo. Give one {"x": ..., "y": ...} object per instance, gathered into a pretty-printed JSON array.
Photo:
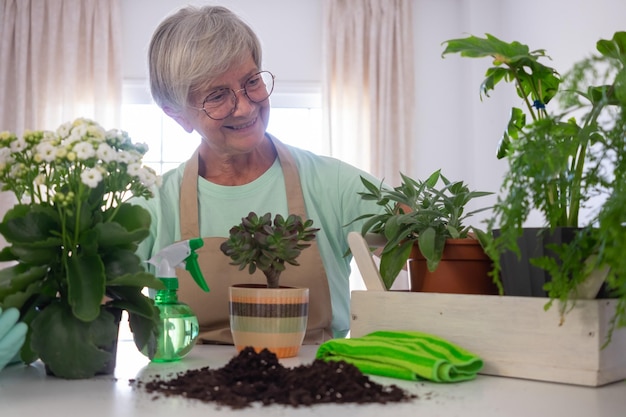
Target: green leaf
[
  {"x": 6, "y": 255},
  {"x": 139, "y": 279},
  {"x": 132, "y": 300},
  {"x": 516, "y": 123},
  {"x": 130, "y": 216},
  {"x": 126, "y": 226},
  {"x": 492, "y": 77},
  {"x": 373, "y": 189},
  {"x": 476, "y": 47},
  {"x": 513, "y": 62},
  {"x": 432, "y": 180},
  {"x": 70, "y": 347},
  {"x": 19, "y": 298},
  {"x": 614, "y": 48},
  {"x": 21, "y": 275},
  {"x": 86, "y": 285},
  {"x": 143, "y": 315},
  {"x": 394, "y": 262},
  {"x": 116, "y": 235},
  {"x": 119, "y": 262},
  {"x": 32, "y": 254},
  {"x": 427, "y": 245},
  {"x": 620, "y": 87},
  {"x": 30, "y": 225},
  {"x": 145, "y": 334},
  {"x": 27, "y": 354}
]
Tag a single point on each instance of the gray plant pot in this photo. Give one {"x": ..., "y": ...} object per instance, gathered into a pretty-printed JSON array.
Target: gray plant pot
[{"x": 519, "y": 277}]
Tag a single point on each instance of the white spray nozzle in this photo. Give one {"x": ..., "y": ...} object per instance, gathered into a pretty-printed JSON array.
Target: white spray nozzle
[{"x": 179, "y": 255}]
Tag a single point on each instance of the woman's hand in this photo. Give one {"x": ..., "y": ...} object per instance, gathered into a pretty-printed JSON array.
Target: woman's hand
[{"x": 12, "y": 335}]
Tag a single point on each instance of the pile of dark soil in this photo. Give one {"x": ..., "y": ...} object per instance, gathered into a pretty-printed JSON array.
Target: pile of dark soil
[{"x": 259, "y": 377}]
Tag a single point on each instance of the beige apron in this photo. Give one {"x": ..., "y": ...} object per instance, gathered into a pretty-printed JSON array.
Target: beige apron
[{"x": 212, "y": 307}]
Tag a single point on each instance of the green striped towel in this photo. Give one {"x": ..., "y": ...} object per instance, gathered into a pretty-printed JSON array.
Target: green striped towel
[{"x": 404, "y": 355}]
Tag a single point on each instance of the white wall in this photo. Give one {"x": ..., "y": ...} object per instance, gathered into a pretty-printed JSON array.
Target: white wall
[
  {"x": 290, "y": 33},
  {"x": 454, "y": 130},
  {"x": 566, "y": 29}
]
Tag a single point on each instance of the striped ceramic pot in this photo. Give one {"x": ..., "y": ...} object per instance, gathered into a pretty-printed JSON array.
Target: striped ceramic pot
[{"x": 272, "y": 318}]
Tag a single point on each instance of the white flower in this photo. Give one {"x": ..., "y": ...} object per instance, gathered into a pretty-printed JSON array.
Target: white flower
[
  {"x": 114, "y": 135},
  {"x": 18, "y": 145},
  {"x": 49, "y": 136},
  {"x": 84, "y": 150},
  {"x": 61, "y": 153},
  {"x": 134, "y": 169},
  {"x": 124, "y": 157},
  {"x": 17, "y": 170},
  {"x": 133, "y": 157},
  {"x": 57, "y": 166},
  {"x": 5, "y": 156},
  {"x": 106, "y": 153},
  {"x": 96, "y": 132},
  {"x": 91, "y": 177},
  {"x": 76, "y": 135},
  {"x": 64, "y": 130},
  {"x": 46, "y": 151},
  {"x": 147, "y": 176}
]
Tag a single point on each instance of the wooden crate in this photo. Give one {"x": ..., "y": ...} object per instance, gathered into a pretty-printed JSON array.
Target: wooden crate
[{"x": 514, "y": 336}]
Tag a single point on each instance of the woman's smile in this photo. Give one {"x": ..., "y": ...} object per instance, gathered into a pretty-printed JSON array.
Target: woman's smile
[{"x": 242, "y": 126}]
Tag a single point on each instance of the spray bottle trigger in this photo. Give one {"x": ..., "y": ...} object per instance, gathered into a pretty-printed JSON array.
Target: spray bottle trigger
[{"x": 192, "y": 266}]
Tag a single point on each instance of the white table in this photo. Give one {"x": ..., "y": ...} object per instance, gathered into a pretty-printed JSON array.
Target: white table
[{"x": 27, "y": 391}]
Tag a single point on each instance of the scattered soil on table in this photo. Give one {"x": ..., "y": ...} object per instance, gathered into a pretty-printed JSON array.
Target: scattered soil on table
[{"x": 259, "y": 377}]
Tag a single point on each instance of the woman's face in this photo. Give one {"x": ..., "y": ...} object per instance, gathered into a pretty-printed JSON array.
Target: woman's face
[{"x": 244, "y": 129}]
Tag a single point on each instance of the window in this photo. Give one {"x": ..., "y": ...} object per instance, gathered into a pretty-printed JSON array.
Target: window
[
  {"x": 168, "y": 143},
  {"x": 295, "y": 118}
]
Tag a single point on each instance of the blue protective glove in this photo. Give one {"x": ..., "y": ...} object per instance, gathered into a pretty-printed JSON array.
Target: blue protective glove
[{"x": 12, "y": 335}]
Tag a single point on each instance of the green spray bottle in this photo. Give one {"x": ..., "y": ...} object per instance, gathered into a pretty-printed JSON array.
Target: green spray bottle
[{"x": 178, "y": 329}]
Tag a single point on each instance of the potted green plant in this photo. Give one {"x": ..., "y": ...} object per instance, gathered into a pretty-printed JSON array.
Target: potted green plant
[
  {"x": 565, "y": 152},
  {"x": 422, "y": 215},
  {"x": 270, "y": 316},
  {"x": 72, "y": 239},
  {"x": 259, "y": 243}
]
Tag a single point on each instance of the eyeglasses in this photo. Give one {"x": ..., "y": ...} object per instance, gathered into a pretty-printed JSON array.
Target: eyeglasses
[{"x": 222, "y": 102}]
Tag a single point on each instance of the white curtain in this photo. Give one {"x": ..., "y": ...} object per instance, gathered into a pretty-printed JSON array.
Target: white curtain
[
  {"x": 59, "y": 60},
  {"x": 369, "y": 84}
]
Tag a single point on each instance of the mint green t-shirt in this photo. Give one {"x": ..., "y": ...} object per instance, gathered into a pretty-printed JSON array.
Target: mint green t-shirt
[{"x": 330, "y": 188}]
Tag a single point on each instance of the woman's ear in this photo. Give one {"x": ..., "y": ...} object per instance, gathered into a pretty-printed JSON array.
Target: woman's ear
[{"x": 179, "y": 118}]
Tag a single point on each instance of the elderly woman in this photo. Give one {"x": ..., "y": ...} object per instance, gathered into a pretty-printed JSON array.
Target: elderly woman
[{"x": 206, "y": 73}]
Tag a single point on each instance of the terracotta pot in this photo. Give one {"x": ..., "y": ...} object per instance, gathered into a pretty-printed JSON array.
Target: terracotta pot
[
  {"x": 271, "y": 318},
  {"x": 464, "y": 269}
]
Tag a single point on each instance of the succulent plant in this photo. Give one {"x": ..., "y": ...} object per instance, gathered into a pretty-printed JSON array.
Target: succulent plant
[{"x": 260, "y": 243}]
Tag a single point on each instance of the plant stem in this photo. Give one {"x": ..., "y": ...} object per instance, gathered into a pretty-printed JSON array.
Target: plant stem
[
  {"x": 272, "y": 278},
  {"x": 529, "y": 106}
]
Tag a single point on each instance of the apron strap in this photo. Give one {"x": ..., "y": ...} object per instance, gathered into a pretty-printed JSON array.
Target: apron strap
[{"x": 188, "y": 202}]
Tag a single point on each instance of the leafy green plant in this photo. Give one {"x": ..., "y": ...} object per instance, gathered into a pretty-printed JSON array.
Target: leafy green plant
[
  {"x": 259, "y": 243},
  {"x": 562, "y": 159},
  {"x": 72, "y": 242},
  {"x": 418, "y": 212}
]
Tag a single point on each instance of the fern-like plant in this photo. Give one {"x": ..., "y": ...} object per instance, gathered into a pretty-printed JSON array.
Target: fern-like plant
[{"x": 566, "y": 151}]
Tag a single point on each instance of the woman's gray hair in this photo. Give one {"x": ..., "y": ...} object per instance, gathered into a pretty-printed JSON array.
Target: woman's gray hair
[{"x": 192, "y": 46}]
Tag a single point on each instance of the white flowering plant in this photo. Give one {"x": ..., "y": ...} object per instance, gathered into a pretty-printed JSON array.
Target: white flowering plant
[{"x": 72, "y": 239}]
